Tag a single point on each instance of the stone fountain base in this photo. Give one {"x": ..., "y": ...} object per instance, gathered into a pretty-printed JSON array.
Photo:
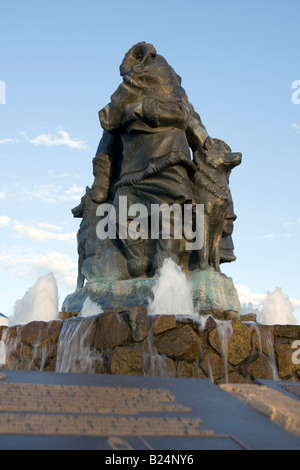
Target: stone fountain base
[
  {"x": 210, "y": 290},
  {"x": 129, "y": 342}
]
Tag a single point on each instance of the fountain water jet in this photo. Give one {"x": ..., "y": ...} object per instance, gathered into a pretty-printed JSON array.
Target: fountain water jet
[
  {"x": 277, "y": 309},
  {"x": 172, "y": 294},
  {"x": 90, "y": 308},
  {"x": 39, "y": 303}
]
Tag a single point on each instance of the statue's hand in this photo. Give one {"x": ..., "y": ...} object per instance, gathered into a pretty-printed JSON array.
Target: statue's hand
[
  {"x": 97, "y": 194},
  {"x": 151, "y": 112},
  {"x": 133, "y": 112},
  {"x": 165, "y": 113}
]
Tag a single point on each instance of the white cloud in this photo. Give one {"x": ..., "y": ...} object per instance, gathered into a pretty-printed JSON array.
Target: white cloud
[
  {"x": 49, "y": 226},
  {"x": 60, "y": 138},
  {"x": 40, "y": 234},
  {"x": 48, "y": 193},
  {"x": 3, "y": 193},
  {"x": 74, "y": 193},
  {"x": 42, "y": 192},
  {"x": 4, "y": 221},
  {"x": 7, "y": 141},
  {"x": 31, "y": 265},
  {"x": 295, "y": 302},
  {"x": 296, "y": 127},
  {"x": 294, "y": 222},
  {"x": 246, "y": 296},
  {"x": 58, "y": 175},
  {"x": 268, "y": 235}
]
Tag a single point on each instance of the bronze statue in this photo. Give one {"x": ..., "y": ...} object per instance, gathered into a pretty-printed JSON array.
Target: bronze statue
[
  {"x": 149, "y": 131},
  {"x": 214, "y": 163}
]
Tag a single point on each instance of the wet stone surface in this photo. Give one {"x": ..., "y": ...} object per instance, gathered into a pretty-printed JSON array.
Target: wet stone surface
[{"x": 127, "y": 341}]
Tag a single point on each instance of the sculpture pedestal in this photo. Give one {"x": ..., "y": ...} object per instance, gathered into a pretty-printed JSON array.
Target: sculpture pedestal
[{"x": 210, "y": 290}]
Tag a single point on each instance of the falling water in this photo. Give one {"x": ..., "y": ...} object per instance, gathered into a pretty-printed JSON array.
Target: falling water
[
  {"x": 210, "y": 372},
  {"x": 154, "y": 364},
  {"x": 74, "y": 352},
  {"x": 172, "y": 294},
  {"x": 225, "y": 332},
  {"x": 254, "y": 326},
  {"x": 264, "y": 336},
  {"x": 2, "y": 353},
  {"x": 272, "y": 358}
]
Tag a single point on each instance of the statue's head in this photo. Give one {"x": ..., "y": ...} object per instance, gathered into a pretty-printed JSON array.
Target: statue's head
[{"x": 139, "y": 56}]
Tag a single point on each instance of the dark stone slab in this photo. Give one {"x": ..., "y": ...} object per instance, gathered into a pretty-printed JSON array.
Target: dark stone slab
[{"x": 43, "y": 410}]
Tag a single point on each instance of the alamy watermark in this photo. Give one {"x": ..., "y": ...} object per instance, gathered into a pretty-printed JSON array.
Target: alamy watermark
[
  {"x": 296, "y": 94},
  {"x": 2, "y": 92},
  {"x": 159, "y": 221},
  {"x": 296, "y": 354}
]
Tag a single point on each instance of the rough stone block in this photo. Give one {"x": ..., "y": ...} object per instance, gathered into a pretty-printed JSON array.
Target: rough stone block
[
  {"x": 34, "y": 333},
  {"x": 187, "y": 370},
  {"x": 236, "y": 344},
  {"x": 163, "y": 323},
  {"x": 181, "y": 343},
  {"x": 259, "y": 366},
  {"x": 160, "y": 366},
  {"x": 39, "y": 333},
  {"x": 214, "y": 365},
  {"x": 2, "y": 329},
  {"x": 287, "y": 331},
  {"x": 285, "y": 364},
  {"x": 248, "y": 317},
  {"x": 139, "y": 323},
  {"x": 111, "y": 331},
  {"x": 239, "y": 345},
  {"x": 263, "y": 339},
  {"x": 125, "y": 361}
]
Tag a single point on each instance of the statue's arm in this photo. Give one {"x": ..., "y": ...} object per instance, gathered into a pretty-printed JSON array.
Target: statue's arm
[
  {"x": 106, "y": 144},
  {"x": 112, "y": 114},
  {"x": 157, "y": 113},
  {"x": 166, "y": 113},
  {"x": 102, "y": 167},
  {"x": 196, "y": 132},
  {"x": 109, "y": 117}
]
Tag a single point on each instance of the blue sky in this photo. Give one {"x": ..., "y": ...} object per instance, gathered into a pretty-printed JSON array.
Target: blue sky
[{"x": 59, "y": 61}]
